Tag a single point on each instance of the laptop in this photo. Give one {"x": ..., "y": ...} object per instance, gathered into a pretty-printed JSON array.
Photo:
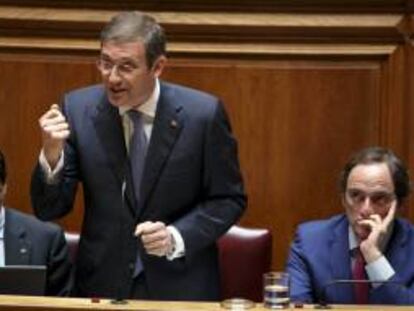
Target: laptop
[{"x": 23, "y": 280}]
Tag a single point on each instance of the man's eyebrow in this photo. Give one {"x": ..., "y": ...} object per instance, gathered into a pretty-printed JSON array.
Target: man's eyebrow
[{"x": 373, "y": 191}]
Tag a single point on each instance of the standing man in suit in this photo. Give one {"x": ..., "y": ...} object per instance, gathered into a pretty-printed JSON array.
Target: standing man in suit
[
  {"x": 153, "y": 213},
  {"x": 24, "y": 240},
  {"x": 367, "y": 242}
]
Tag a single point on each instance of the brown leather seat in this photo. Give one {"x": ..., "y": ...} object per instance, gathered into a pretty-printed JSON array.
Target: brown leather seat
[{"x": 244, "y": 254}]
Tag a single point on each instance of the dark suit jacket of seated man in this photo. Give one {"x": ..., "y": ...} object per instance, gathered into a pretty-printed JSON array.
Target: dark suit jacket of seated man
[
  {"x": 29, "y": 241},
  {"x": 374, "y": 184}
]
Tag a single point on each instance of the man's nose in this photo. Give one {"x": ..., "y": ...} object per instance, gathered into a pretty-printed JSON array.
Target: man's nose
[
  {"x": 114, "y": 75},
  {"x": 366, "y": 207}
]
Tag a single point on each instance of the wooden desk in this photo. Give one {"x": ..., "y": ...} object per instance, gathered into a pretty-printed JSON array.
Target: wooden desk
[{"x": 25, "y": 303}]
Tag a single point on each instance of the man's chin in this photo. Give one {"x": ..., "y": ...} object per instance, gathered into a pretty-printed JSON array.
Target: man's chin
[
  {"x": 116, "y": 101},
  {"x": 361, "y": 233}
]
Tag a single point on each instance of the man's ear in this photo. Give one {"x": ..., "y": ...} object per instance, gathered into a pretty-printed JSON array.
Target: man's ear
[{"x": 158, "y": 66}]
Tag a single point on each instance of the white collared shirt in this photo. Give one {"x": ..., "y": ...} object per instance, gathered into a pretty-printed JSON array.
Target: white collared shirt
[{"x": 147, "y": 110}]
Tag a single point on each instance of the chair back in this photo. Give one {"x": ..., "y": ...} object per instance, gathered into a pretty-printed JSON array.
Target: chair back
[{"x": 244, "y": 255}]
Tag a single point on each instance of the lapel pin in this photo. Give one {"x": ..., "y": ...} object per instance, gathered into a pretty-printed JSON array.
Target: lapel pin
[
  {"x": 23, "y": 250},
  {"x": 173, "y": 124}
]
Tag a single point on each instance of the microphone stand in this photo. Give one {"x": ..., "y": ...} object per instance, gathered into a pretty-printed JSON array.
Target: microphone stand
[{"x": 119, "y": 300}]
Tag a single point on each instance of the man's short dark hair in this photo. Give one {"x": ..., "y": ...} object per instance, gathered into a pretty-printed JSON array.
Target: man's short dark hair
[
  {"x": 3, "y": 173},
  {"x": 134, "y": 26},
  {"x": 373, "y": 155}
]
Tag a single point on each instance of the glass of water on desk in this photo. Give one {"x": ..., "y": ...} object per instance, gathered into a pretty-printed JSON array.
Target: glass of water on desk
[{"x": 276, "y": 290}]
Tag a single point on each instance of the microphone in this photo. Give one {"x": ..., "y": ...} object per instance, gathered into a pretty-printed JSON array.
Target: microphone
[
  {"x": 323, "y": 303},
  {"x": 120, "y": 300}
]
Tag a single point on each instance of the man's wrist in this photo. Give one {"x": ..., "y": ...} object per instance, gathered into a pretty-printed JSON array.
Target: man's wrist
[
  {"x": 379, "y": 270},
  {"x": 52, "y": 156},
  {"x": 370, "y": 254},
  {"x": 173, "y": 245},
  {"x": 51, "y": 176}
]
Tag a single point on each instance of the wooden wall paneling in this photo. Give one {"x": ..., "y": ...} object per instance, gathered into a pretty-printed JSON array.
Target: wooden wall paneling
[
  {"x": 282, "y": 111},
  {"x": 297, "y": 121},
  {"x": 204, "y": 27},
  {"x": 393, "y": 103},
  {"x": 303, "y": 92},
  {"x": 396, "y": 106},
  {"x": 224, "y": 5},
  {"x": 409, "y": 82},
  {"x": 397, "y": 101},
  {"x": 29, "y": 85}
]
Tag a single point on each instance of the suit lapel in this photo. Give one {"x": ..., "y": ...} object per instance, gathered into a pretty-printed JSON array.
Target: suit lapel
[
  {"x": 340, "y": 264},
  {"x": 110, "y": 133},
  {"x": 17, "y": 246},
  {"x": 167, "y": 126}
]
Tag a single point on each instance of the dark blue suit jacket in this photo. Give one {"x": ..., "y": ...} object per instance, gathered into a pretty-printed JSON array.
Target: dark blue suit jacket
[
  {"x": 191, "y": 180},
  {"x": 320, "y": 255},
  {"x": 27, "y": 241}
]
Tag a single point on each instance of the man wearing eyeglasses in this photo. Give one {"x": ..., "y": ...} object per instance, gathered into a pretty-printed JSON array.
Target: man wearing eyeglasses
[
  {"x": 338, "y": 260},
  {"x": 159, "y": 169}
]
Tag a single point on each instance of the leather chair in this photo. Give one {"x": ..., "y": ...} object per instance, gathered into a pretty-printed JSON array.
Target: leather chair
[
  {"x": 72, "y": 238},
  {"x": 244, "y": 255}
]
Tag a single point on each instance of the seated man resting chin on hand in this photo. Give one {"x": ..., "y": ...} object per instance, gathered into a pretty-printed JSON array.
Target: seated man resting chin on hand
[{"x": 337, "y": 260}]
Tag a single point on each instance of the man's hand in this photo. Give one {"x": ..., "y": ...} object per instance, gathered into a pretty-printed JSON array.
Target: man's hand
[
  {"x": 371, "y": 247},
  {"x": 155, "y": 237},
  {"x": 55, "y": 130}
]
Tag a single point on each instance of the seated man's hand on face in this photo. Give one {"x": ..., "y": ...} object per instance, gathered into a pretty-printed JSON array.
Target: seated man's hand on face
[
  {"x": 155, "y": 237},
  {"x": 371, "y": 247}
]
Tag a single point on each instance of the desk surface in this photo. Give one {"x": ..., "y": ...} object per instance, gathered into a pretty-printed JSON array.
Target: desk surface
[{"x": 25, "y": 303}]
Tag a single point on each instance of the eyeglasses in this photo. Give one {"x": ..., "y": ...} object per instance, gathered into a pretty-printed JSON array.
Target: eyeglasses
[
  {"x": 356, "y": 197},
  {"x": 123, "y": 68}
]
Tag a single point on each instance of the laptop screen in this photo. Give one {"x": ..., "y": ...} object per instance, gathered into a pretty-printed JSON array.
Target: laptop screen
[{"x": 23, "y": 280}]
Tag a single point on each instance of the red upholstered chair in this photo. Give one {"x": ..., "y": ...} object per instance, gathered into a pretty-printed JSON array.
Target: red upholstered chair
[
  {"x": 72, "y": 238},
  {"x": 244, "y": 254}
]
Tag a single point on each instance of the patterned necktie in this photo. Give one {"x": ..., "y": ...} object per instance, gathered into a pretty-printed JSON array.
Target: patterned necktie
[
  {"x": 361, "y": 290},
  {"x": 137, "y": 152}
]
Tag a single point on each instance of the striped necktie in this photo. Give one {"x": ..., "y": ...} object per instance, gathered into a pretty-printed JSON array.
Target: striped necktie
[{"x": 137, "y": 152}]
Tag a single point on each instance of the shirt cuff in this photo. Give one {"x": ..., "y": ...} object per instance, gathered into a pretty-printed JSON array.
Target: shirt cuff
[
  {"x": 52, "y": 176},
  {"x": 178, "y": 249},
  {"x": 379, "y": 270}
]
